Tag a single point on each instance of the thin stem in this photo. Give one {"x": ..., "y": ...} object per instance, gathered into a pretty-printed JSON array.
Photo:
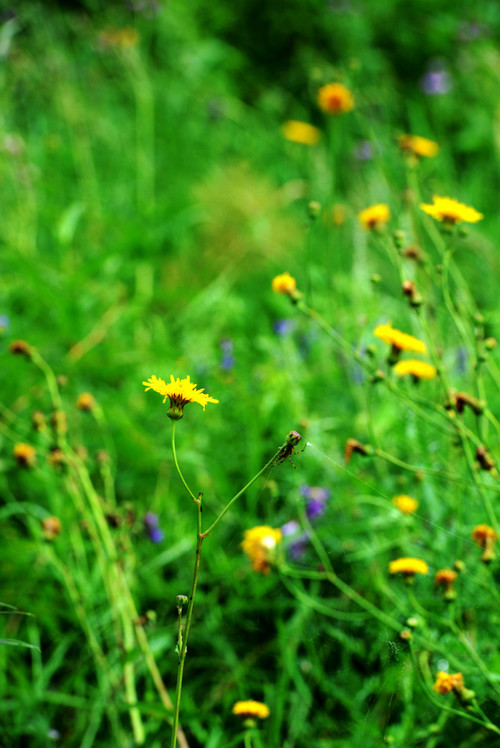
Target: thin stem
[{"x": 174, "y": 453}]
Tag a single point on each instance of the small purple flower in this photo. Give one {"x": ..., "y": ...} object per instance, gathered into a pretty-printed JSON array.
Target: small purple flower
[
  {"x": 363, "y": 151},
  {"x": 227, "y": 361},
  {"x": 316, "y": 496},
  {"x": 151, "y": 520},
  {"x": 462, "y": 360},
  {"x": 290, "y": 528},
  {"x": 437, "y": 80},
  {"x": 283, "y": 327},
  {"x": 156, "y": 535},
  {"x": 297, "y": 547}
]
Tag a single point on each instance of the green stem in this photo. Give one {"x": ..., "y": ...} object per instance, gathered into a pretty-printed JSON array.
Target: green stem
[{"x": 174, "y": 453}]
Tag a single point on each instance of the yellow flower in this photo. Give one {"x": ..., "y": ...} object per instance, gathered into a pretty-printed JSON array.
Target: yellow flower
[
  {"x": 418, "y": 369},
  {"x": 399, "y": 340},
  {"x": 25, "y": 454},
  {"x": 375, "y": 216},
  {"x": 408, "y": 566},
  {"x": 450, "y": 211},
  {"x": 180, "y": 392},
  {"x": 286, "y": 284},
  {"x": 301, "y": 132},
  {"x": 249, "y": 709},
  {"x": 418, "y": 146},
  {"x": 447, "y": 682},
  {"x": 85, "y": 401},
  {"x": 259, "y": 544},
  {"x": 335, "y": 98},
  {"x": 405, "y": 504}
]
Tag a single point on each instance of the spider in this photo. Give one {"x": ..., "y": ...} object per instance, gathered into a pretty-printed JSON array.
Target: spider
[{"x": 285, "y": 451}]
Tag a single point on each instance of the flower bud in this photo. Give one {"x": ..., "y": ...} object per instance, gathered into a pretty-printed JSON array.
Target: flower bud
[
  {"x": 314, "y": 209},
  {"x": 180, "y": 601}
]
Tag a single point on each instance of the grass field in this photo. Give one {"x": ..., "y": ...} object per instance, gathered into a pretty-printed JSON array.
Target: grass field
[{"x": 232, "y": 194}]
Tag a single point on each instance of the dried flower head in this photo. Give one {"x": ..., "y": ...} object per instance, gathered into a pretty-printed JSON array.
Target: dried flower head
[
  {"x": 260, "y": 544},
  {"x": 400, "y": 341},
  {"x": 408, "y": 566},
  {"x": 25, "y": 454},
  {"x": 20, "y": 348},
  {"x": 415, "y": 145},
  {"x": 251, "y": 709},
  {"x": 335, "y": 98},
  {"x": 375, "y": 216},
  {"x": 450, "y": 211},
  {"x": 51, "y": 528},
  {"x": 405, "y": 504},
  {"x": 417, "y": 369},
  {"x": 179, "y": 392},
  {"x": 301, "y": 132}
]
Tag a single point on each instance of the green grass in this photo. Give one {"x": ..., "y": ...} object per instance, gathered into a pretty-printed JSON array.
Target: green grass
[{"x": 148, "y": 200}]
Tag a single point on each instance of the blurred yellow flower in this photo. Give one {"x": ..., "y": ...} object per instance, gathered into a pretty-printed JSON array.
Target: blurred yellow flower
[
  {"x": 301, "y": 132},
  {"x": 259, "y": 544},
  {"x": 450, "y": 211},
  {"x": 447, "y": 682},
  {"x": 375, "y": 216},
  {"x": 335, "y": 98},
  {"x": 405, "y": 504},
  {"x": 249, "y": 709},
  {"x": 445, "y": 577},
  {"x": 180, "y": 392},
  {"x": 85, "y": 401},
  {"x": 418, "y": 369},
  {"x": 408, "y": 566},
  {"x": 285, "y": 283},
  {"x": 400, "y": 340},
  {"x": 418, "y": 146},
  {"x": 25, "y": 454}
]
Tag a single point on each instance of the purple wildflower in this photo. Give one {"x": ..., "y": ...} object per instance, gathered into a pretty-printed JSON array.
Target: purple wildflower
[
  {"x": 290, "y": 528},
  {"x": 283, "y": 327},
  {"x": 227, "y": 361},
  {"x": 297, "y": 547},
  {"x": 363, "y": 151},
  {"x": 156, "y": 535},
  {"x": 437, "y": 80},
  {"x": 316, "y": 496}
]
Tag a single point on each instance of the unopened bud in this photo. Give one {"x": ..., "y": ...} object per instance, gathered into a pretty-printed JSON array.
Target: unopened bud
[
  {"x": 20, "y": 348},
  {"x": 314, "y": 209},
  {"x": 181, "y": 601},
  {"x": 398, "y": 238}
]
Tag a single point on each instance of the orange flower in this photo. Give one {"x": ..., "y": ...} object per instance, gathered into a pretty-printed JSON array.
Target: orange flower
[
  {"x": 447, "y": 682},
  {"x": 445, "y": 578},
  {"x": 485, "y": 536},
  {"x": 335, "y": 98}
]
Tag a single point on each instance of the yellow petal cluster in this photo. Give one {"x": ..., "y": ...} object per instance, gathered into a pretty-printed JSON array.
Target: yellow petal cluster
[
  {"x": 249, "y": 709},
  {"x": 450, "y": 211},
  {"x": 375, "y": 216},
  {"x": 400, "y": 340},
  {"x": 447, "y": 682},
  {"x": 259, "y": 543},
  {"x": 418, "y": 146},
  {"x": 284, "y": 283},
  {"x": 179, "y": 392},
  {"x": 405, "y": 504},
  {"x": 408, "y": 566},
  {"x": 301, "y": 132},
  {"x": 25, "y": 454},
  {"x": 335, "y": 98},
  {"x": 418, "y": 369}
]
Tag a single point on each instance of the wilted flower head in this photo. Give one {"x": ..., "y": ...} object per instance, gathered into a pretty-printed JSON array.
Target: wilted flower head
[
  {"x": 375, "y": 216},
  {"x": 485, "y": 536},
  {"x": 417, "y": 369},
  {"x": 335, "y": 98},
  {"x": 301, "y": 132},
  {"x": 179, "y": 392},
  {"x": 51, "y": 527},
  {"x": 418, "y": 146},
  {"x": 405, "y": 504},
  {"x": 450, "y": 211},
  {"x": 260, "y": 544},
  {"x": 445, "y": 578},
  {"x": 251, "y": 709},
  {"x": 399, "y": 340}
]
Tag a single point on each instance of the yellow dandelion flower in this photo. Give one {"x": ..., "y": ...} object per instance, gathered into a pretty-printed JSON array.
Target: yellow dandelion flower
[
  {"x": 399, "y": 340},
  {"x": 284, "y": 283},
  {"x": 301, "y": 132},
  {"x": 179, "y": 392},
  {"x": 335, "y": 98},
  {"x": 418, "y": 146},
  {"x": 408, "y": 566},
  {"x": 450, "y": 211},
  {"x": 259, "y": 544},
  {"x": 417, "y": 369},
  {"x": 447, "y": 682},
  {"x": 85, "y": 401},
  {"x": 405, "y": 504},
  {"x": 25, "y": 454},
  {"x": 251, "y": 709},
  {"x": 375, "y": 216}
]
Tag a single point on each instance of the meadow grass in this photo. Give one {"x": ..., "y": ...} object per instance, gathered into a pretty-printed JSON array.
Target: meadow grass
[{"x": 151, "y": 204}]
